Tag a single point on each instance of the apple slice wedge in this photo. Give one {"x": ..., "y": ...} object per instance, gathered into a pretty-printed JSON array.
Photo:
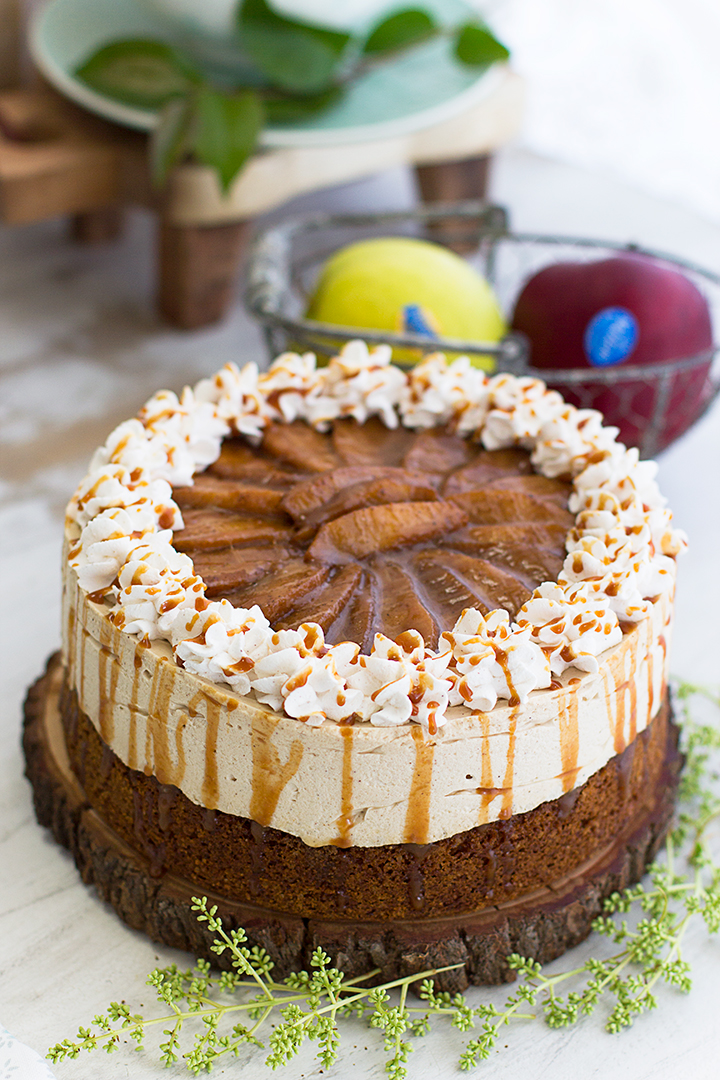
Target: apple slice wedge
[
  {"x": 381, "y": 528},
  {"x": 371, "y": 443},
  {"x": 438, "y": 452},
  {"x": 233, "y": 568},
  {"x": 208, "y": 530},
  {"x": 400, "y": 609},
  {"x": 308, "y": 496},
  {"x": 492, "y": 506},
  {"x": 279, "y": 592},
  {"x": 497, "y": 588},
  {"x": 224, "y": 494},
  {"x": 301, "y": 446},
  {"x": 327, "y": 603}
]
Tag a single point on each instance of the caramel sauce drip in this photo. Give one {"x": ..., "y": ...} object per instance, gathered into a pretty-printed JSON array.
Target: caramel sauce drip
[
  {"x": 502, "y": 659},
  {"x": 651, "y": 671},
  {"x": 269, "y": 775},
  {"x": 109, "y": 669},
  {"x": 135, "y": 689},
  {"x": 181, "y": 766},
  {"x": 210, "y": 785},
  {"x": 486, "y": 790},
  {"x": 663, "y": 645},
  {"x": 157, "y": 743},
  {"x": 633, "y": 701},
  {"x": 618, "y": 686},
  {"x": 345, "y": 821},
  {"x": 417, "y": 818},
  {"x": 72, "y": 645},
  {"x": 416, "y": 879},
  {"x": 507, "y": 786},
  {"x": 569, "y": 740},
  {"x": 80, "y": 684}
]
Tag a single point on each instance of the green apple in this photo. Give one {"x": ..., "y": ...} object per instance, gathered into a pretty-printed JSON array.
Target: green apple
[{"x": 406, "y": 285}]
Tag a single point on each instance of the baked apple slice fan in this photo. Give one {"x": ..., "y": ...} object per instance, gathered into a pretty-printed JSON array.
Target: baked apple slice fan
[{"x": 365, "y": 530}]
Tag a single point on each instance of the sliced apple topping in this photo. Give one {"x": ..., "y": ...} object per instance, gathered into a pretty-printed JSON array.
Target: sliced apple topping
[
  {"x": 368, "y": 530},
  {"x": 488, "y": 465},
  {"x": 438, "y": 452},
  {"x": 228, "y": 495},
  {"x": 357, "y": 623},
  {"x": 541, "y": 487},
  {"x": 549, "y": 535},
  {"x": 232, "y": 568},
  {"x": 307, "y": 497},
  {"x": 301, "y": 446},
  {"x": 235, "y": 455},
  {"x": 371, "y": 443},
  {"x": 495, "y": 588},
  {"x": 326, "y": 604},
  {"x": 281, "y": 591},
  {"x": 385, "y": 489},
  {"x": 400, "y": 608},
  {"x": 208, "y": 530},
  {"x": 529, "y": 553},
  {"x": 382, "y": 528},
  {"x": 444, "y": 592},
  {"x": 492, "y": 506}
]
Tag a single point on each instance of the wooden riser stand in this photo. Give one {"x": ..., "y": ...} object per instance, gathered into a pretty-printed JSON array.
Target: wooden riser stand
[{"x": 56, "y": 159}]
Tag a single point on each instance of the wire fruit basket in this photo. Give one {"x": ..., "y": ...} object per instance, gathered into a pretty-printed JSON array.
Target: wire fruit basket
[{"x": 652, "y": 404}]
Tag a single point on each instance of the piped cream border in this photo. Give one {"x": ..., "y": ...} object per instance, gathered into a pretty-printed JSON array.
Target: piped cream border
[{"x": 620, "y": 551}]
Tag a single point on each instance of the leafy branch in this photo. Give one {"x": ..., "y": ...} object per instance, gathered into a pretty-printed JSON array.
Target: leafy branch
[
  {"x": 301, "y": 70},
  {"x": 645, "y": 924}
]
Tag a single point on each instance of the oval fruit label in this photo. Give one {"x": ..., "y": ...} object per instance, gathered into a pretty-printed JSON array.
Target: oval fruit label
[{"x": 610, "y": 336}]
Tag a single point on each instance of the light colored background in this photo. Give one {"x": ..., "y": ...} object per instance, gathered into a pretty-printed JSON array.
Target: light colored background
[{"x": 80, "y": 349}]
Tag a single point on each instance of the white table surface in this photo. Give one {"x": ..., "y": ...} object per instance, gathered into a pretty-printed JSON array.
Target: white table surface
[{"x": 79, "y": 351}]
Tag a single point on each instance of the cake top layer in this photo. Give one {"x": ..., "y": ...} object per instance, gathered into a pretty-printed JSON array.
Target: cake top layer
[
  {"x": 365, "y": 530},
  {"x": 620, "y": 547}
]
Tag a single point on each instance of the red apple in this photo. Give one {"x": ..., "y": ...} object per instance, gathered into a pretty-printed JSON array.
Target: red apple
[{"x": 625, "y": 310}]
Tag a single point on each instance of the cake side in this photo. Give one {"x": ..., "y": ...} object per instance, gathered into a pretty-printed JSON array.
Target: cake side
[
  {"x": 404, "y": 744},
  {"x": 542, "y": 924},
  {"x": 468, "y": 872},
  {"x": 357, "y": 784}
]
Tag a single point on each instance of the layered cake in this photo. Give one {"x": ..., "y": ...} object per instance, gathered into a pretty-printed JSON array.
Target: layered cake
[{"x": 374, "y": 659}]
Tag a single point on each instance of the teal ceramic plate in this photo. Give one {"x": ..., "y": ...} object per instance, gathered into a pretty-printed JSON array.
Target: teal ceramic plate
[{"x": 422, "y": 88}]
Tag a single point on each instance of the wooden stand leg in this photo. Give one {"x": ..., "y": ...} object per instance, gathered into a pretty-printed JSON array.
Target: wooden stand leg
[
  {"x": 198, "y": 267},
  {"x": 453, "y": 181},
  {"x": 97, "y": 226},
  {"x": 449, "y": 181}
]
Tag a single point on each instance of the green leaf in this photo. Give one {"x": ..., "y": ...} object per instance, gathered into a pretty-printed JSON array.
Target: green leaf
[
  {"x": 226, "y": 129},
  {"x": 171, "y": 138},
  {"x": 400, "y": 30},
  {"x": 292, "y": 55},
  {"x": 476, "y": 45},
  {"x": 145, "y": 74},
  {"x": 286, "y": 110}
]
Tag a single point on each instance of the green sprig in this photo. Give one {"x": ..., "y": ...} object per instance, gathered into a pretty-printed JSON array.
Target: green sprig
[{"x": 219, "y": 1013}]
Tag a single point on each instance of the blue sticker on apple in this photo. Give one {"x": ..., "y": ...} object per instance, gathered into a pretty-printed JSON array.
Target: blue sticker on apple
[
  {"x": 610, "y": 336},
  {"x": 416, "y": 320}
]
